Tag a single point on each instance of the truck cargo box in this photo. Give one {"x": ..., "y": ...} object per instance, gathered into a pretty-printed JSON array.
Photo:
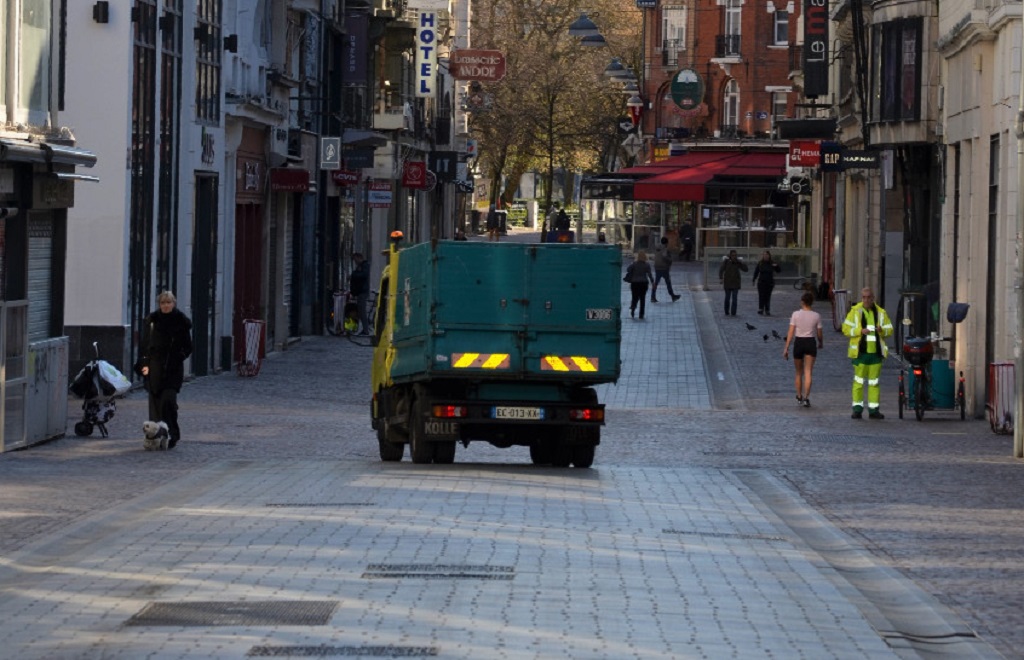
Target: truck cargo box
[{"x": 507, "y": 311}]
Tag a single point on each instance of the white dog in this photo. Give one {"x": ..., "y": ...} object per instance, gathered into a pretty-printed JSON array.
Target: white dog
[{"x": 156, "y": 436}]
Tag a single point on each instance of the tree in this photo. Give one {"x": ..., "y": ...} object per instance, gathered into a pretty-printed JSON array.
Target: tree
[{"x": 554, "y": 108}]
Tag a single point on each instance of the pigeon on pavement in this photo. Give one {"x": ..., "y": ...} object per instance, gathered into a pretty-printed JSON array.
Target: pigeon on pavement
[
  {"x": 766, "y": 337},
  {"x": 776, "y": 334},
  {"x": 750, "y": 327}
]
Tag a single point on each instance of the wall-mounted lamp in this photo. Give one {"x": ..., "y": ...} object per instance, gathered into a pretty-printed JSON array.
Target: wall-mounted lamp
[
  {"x": 231, "y": 43},
  {"x": 101, "y": 11}
]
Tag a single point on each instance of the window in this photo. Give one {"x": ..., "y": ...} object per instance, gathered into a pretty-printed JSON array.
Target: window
[
  {"x": 208, "y": 53},
  {"x": 34, "y": 69},
  {"x": 896, "y": 74},
  {"x": 780, "y": 28},
  {"x": 779, "y": 106},
  {"x": 732, "y": 17},
  {"x": 731, "y": 106},
  {"x": 673, "y": 28}
]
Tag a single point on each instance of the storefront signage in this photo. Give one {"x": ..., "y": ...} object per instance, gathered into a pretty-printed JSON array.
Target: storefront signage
[
  {"x": 857, "y": 159},
  {"x": 831, "y": 157},
  {"x": 49, "y": 192},
  {"x": 482, "y": 65},
  {"x": 815, "y": 53},
  {"x": 289, "y": 179},
  {"x": 414, "y": 174},
  {"x": 803, "y": 153},
  {"x": 346, "y": 177},
  {"x": 426, "y": 54},
  {"x": 687, "y": 89},
  {"x": 646, "y": 4},
  {"x": 330, "y": 153},
  {"x": 354, "y": 45},
  {"x": 378, "y": 195},
  {"x": 356, "y": 159}
]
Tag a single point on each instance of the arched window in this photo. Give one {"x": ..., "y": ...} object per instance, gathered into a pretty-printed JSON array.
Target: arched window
[{"x": 730, "y": 109}]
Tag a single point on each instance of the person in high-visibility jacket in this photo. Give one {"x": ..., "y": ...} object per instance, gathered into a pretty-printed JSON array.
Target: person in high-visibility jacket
[{"x": 868, "y": 326}]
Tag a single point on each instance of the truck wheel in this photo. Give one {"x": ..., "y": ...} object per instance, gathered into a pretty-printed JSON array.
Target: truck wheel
[
  {"x": 540, "y": 452},
  {"x": 560, "y": 452},
  {"x": 583, "y": 456},
  {"x": 420, "y": 450},
  {"x": 444, "y": 452},
  {"x": 389, "y": 451}
]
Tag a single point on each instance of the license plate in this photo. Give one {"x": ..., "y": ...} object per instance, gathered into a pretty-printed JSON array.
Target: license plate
[{"x": 517, "y": 412}]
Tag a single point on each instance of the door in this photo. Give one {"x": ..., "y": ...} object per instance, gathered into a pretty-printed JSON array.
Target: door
[
  {"x": 248, "y": 271},
  {"x": 204, "y": 276}
]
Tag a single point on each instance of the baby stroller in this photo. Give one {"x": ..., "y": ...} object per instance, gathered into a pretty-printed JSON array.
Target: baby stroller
[{"x": 98, "y": 383}]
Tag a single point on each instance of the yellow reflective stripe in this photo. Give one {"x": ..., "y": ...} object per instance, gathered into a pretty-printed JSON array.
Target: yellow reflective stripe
[
  {"x": 570, "y": 363},
  {"x": 555, "y": 363},
  {"x": 585, "y": 364},
  {"x": 480, "y": 360},
  {"x": 495, "y": 360},
  {"x": 463, "y": 360}
]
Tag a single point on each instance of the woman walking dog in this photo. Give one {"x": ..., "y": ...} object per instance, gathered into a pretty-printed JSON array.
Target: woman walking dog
[{"x": 166, "y": 344}]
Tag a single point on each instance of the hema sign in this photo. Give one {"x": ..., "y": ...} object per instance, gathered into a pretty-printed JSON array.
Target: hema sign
[{"x": 426, "y": 53}]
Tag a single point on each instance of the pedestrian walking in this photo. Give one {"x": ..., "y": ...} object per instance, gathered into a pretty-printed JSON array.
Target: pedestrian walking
[
  {"x": 638, "y": 274},
  {"x": 729, "y": 276},
  {"x": 662, "y": 271},
  {"x": 492, "y": 224},
  {"x": 804, "y": 328},
  {"x": 868, "y": 326},
  {"x": 359, "y": 287},
  {"x": 764, "y": 278},
  {"x": 166, "y": 344}
]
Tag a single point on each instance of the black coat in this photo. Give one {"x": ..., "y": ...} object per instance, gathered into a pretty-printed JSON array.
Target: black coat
[{"x": 166, "y": 344}]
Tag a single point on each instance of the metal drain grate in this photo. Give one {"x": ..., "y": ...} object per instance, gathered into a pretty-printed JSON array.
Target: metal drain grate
[
  {"x": 317, "y": 504},
  {"x": 255, "y": 613},
  {"x": 342, "y": 651},
  {"x": 742, "y": 453},
  {"x": 726, "y": 535},
  {"x": 211, "y": 443},
  {"x": 855, "y": 439},
  {"x": 440, "y": 571}
]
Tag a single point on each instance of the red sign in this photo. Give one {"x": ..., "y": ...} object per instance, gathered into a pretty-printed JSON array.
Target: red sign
[
  {"x": 483, "y": 65},
  {"x": 804, "y": 153},
  {"x": 289, "y": 179},
  {"x": 378, "y": 196},
  {"x": 414, "y": 174},
  {"x": 346, "y": 177}
]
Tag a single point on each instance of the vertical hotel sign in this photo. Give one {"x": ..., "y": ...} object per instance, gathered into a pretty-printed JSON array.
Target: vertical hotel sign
[
  {"x": 426, "y": 54},
  {"x": 815, "y": 47}
]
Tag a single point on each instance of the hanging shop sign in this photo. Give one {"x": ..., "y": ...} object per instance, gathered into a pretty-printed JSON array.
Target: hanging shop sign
[
  {"x": 346, "y": 177},
  {"x": 426, "y": 54},
  {"x": 815, "y": 53},
  {"x": 414, "y": 174},
  {"x": 482, "y": 65},
  {"x": 687, "y": 89},
  {"x": 378, "y": 195},
  {"x": 804, "y": 153}
]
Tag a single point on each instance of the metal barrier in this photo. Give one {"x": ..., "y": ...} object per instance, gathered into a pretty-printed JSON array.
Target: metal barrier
[
  {"x": 1001, "y": 396},
  {"x": 840, "y": 307},
  {"x": 255, "y": 348}
]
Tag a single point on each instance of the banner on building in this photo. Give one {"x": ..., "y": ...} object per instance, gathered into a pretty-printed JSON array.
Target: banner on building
[
  {"x": 354, "y": 53},
  {"x": 815, "y": 48},
  {"x": 426, "y": 53}
]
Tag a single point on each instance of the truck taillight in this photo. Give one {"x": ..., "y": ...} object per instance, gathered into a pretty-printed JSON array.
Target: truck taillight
[
  {"x": 587, "y": 414},
  {"x": 450, "y": 411}
]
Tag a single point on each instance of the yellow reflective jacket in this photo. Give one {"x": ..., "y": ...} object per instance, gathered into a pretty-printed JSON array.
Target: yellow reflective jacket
[{"x": 879, "y": 324}]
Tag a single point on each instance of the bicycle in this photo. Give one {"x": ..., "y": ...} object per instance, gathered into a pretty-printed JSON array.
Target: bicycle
[
  {"x": 926, "y": 389},
  {"x": 334, "y": 319},
  {"x": 341, "y": 319}
]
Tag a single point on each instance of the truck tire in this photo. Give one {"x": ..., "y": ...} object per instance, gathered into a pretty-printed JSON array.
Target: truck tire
[
  {"x": 560, "y": 451},
  {"x": 420, "y": 450},
  {"x": 583, "y": 456},
  {"x": 540, "y": 453},
  {"x": 582, "y": 443},
  {"x": 444, "y": 452},
  {"x": 389, "y": 451}
]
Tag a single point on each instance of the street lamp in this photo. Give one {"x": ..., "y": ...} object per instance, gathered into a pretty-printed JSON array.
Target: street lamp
[
  {"x": 636, "y": 108},
  {"x": 584, "y": 27}
]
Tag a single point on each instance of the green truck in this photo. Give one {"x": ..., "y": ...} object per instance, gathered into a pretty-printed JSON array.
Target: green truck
[{"x": 495, "y": 342}]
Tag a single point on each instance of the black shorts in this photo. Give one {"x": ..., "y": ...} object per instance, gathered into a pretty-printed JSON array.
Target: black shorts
[{"x": 803, "y": 346}]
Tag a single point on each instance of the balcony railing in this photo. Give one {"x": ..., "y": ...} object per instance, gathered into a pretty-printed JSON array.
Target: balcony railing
[
  {"x": 670, "y": 51},
  {"x": 727, "y": 45}
]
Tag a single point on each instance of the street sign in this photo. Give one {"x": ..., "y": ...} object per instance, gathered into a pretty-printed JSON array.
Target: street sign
[
  {"x": 632, "y": 145},
  {"x": 378, "y": 195},
  {"x": 330, "y": 153},
  {"x": 482, "y": 65}
]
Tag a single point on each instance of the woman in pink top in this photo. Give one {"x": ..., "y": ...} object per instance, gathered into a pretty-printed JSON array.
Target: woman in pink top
[{"x": 804, "y": 325}]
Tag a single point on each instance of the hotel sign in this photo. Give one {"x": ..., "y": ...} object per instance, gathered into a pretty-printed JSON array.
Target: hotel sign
[{"x": 426, "y": 54}]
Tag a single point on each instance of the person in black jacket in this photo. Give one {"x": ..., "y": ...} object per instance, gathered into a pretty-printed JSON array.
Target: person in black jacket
[
  {"x": 764, "y": 278},
  {"x": 166, "y": 344},
  {"x": 359, "y": 288}
]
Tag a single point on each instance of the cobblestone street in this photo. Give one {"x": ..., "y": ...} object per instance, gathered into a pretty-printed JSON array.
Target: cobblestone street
[{"x": 896, "y": 535}]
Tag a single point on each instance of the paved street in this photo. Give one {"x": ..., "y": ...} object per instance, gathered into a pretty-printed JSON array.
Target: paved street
[{"x": 719, "y": 520}]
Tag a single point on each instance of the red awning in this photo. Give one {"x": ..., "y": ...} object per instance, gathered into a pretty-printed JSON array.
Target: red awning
[{"x": 691, "y": 174}]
